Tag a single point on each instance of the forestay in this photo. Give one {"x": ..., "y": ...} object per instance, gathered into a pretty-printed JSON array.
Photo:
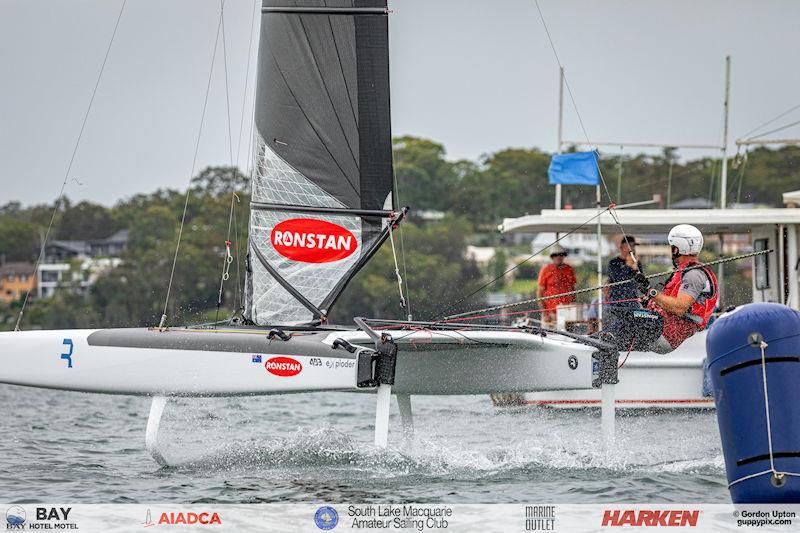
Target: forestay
[{"x": 322, "y": 187}]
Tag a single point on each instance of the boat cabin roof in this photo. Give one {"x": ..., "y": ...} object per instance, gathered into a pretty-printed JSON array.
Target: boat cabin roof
[{"x": 652, "y": 220}]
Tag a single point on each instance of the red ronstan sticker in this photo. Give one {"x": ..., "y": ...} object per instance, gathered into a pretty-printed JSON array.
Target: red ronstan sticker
[
  {"x": 283, "y": 366},
  {"x": 309, "y": 240}
]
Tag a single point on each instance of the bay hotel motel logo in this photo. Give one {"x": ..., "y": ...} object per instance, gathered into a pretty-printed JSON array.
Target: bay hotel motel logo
[{"x": 46, "y": 518}]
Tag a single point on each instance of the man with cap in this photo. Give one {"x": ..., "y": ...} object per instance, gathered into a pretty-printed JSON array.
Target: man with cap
[{"x": 555, "y": 278}]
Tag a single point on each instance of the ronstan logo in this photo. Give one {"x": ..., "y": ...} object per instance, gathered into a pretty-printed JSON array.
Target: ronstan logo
[
  {"x": 312, "y": 241},
  {"x": 283, "y": 366},
  {"x": 652, "y": 518}
]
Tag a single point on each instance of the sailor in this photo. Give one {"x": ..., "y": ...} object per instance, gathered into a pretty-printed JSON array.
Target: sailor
[
  {"x": 555, "y": 278},
  {"x": 677, "y": 312}
]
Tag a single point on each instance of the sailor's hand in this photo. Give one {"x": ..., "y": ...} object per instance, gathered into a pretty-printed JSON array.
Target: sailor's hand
[
  {"x": 642, "y": 283},
  {"x": 649, "y": 295}
]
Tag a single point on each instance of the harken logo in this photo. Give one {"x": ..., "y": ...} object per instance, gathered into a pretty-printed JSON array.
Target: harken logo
[
  {"x": 650, "y": 518},
  {"x": 283, "y": 366},
  {"x": 309, "y": 240}
]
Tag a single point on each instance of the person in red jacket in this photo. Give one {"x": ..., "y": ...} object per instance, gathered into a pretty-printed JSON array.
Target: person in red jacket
[
  {"x": 555, "y": 278},
  {"x": 677, "y": 312}
]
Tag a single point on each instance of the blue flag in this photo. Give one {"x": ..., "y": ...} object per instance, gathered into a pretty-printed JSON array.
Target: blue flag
[{"x": 579, "y": 168}]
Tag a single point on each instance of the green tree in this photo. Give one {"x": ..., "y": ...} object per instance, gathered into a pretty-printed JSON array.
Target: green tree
[
  {"x": 85, "y": 220},
  {"x": 18, "y": 239},
  {"x": 425, "y": 179}
]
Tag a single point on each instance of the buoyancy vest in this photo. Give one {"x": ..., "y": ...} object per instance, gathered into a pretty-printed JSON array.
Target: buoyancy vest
[{"x": 679, "y": 328}]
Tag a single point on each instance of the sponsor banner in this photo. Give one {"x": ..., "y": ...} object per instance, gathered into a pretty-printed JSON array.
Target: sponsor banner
[
  {"x": 309, "y": 240},
  {"x": 283, "y": 366},
  {"x": 438, "y": 518}
]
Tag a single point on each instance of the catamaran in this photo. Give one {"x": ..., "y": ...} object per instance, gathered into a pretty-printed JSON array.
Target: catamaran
[{"x": 322, "y": 204}]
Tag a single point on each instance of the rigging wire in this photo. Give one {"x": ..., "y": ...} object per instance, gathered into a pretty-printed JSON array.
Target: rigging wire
[
  {"x": 614, "y": 284},
  {"x": 227, "y": 259},
  {"x": 251, "y": 170},
  {"x": 250, "y": 164},
  {"x": 71, "y": 161},
  {"x": 191, "y": 174},
  {"x": 713, "y": 181},
  {"x": 717, "y": 165},
  {"x": 612, "y": 212},
  {"x": 741, "y": 179},
  {"x": 239, "y": 294},
  {"x": 396, "y": 192},
  {"x": 609, "y": 209},
  {"x": 517, "y": 265},
  {"x": 405, "y": 273},
  {"x": 784, "y": 127},
  {"x": 397, "y": 268},
  {"x": 257, "y": 3},
  {"x": 770, "y": 121}
]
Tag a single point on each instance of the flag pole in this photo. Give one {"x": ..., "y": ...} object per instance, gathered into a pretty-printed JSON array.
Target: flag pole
[{"x": 599, "y": 260}]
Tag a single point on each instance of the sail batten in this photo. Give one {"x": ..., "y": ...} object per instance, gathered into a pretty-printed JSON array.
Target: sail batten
[{"x": 322, "y": 186}]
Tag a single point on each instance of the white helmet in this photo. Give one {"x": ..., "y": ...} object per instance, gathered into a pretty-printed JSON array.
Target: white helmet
[
  {"x": 686, "y": 238},
  {"x": 557, "y": 249}
]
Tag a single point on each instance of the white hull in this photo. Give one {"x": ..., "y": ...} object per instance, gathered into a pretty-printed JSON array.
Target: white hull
[
  {"x": 646, "y": 381},
  {"x": 202, "y": 363}
]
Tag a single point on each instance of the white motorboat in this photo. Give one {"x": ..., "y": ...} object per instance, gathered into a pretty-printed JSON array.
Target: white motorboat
[
  {"x": 675, "y": 380},
  {"x": 647, "y": 381}
]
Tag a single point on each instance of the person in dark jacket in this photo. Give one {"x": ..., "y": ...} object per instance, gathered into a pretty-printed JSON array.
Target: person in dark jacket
[{"x": 621, "y": 268}]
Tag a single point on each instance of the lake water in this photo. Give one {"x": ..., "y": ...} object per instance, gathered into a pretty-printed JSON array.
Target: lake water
[{"x": 83, "y": 448}]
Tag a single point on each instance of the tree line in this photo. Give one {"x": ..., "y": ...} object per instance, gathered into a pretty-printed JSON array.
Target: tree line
[{"x": 472, "y": 197}]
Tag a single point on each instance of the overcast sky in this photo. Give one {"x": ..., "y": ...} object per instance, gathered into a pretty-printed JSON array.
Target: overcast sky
[{"x": 475, "y": 75}]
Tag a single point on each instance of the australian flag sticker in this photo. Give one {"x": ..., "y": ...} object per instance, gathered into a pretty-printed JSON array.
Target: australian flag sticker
[{"x": 256, "y": 358}]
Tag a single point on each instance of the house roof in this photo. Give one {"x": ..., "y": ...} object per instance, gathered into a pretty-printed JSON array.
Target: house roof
[
  {"x": 120, "y": 236},
  {"x": 16, "y": 268},
  {"x": 85, "y": 247},
  {"x": 78, "y": 247}
]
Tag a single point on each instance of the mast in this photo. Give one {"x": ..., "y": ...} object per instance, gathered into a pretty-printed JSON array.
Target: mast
[
  {"x": 724, "y": 176},
  {"x": 723, "y": 186},
  {"x": 560, "y": 127}
]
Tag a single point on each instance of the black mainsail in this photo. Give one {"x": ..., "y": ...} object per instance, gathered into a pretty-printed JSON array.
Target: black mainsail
[{"x": 322, "y": 197}]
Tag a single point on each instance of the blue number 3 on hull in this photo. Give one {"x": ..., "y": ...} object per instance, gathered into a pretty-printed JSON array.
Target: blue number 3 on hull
[{"x": 68, "y": 355}]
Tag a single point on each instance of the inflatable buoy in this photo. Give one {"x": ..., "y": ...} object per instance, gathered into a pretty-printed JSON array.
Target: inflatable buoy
[{"x": 754, "y": 361}]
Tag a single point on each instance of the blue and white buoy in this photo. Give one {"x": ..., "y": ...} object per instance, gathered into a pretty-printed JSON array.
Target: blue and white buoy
[{"x": 754, "y": 361}]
